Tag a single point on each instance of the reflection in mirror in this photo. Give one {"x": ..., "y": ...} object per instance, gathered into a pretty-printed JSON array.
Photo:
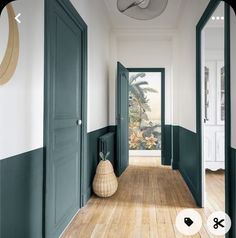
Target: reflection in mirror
[{"x": 213, "y": 109}]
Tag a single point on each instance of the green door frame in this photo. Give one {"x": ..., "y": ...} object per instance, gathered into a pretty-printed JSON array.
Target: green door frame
[
  {"x": 162, "y": 71},
  {"x": 70, "y": 10},
  {"x": 204, "y": 19}
]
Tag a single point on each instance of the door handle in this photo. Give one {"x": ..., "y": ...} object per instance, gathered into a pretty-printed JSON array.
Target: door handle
[{"x": 78, "y": 122}]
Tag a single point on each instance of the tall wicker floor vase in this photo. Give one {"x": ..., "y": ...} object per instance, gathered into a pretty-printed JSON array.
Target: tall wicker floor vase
[{"x": 105, "y": 182}]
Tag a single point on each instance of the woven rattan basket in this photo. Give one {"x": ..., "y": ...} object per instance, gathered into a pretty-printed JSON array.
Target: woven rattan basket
[{"x": 105, "y": 182}]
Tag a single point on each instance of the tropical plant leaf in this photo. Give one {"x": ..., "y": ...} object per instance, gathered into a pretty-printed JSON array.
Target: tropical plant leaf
[
  {"x": 134, "y": 77},
  {"x": 150, "y": 90},
  {"x": 141, "y": 83},
  {"x": 141, "y": 93},
  {"x": 144, "y": 116},
  {"x": 135, "y": 92},
  {"x": 146, "y": 107}
]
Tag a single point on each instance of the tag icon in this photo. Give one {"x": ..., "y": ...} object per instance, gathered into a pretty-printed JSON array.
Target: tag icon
[{"x": 188, "y": 221}]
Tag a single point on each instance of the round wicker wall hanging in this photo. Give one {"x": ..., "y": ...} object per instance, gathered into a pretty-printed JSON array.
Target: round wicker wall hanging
[{"x": 10, "y": 59}]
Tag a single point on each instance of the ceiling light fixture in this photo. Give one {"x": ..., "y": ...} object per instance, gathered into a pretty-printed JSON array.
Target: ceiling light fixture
[{"x": 142, "y": 9}]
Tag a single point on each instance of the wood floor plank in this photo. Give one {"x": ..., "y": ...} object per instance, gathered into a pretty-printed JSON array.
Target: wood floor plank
[{"x": 146, "y": 204}]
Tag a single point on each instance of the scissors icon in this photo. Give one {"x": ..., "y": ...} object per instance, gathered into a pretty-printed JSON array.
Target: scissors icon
[{"x": 218, "y": 223}]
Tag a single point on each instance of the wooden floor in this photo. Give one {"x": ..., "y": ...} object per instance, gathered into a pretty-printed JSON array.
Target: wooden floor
[
  {"x": 215, "y": 198},
  {"x": 145, "y": 205}
]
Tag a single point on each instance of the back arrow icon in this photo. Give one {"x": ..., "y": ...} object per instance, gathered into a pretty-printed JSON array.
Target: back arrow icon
[{"x": 17, "y": 18}]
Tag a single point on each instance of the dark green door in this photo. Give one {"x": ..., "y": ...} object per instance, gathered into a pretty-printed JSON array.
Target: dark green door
[
  {"x": 63, "y": 150},
  {"x": 122, "y": 118}
]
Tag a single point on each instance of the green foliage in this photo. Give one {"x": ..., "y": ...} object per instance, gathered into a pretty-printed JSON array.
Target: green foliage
[
  {"x": 138, "y": 101},
  {"x": 141, "y": 137}
]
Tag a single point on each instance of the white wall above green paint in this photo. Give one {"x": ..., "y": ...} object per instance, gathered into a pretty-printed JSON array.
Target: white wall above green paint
[
  {"x": 185, "y": 62},
  {"x": 95, "y": 15},
  {"x": 21, "y": 99},
  {"x": 140, "y": 50}
]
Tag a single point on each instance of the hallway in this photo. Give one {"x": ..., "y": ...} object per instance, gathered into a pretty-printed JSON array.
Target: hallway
[
  {"x": 139, "y": 78},
  {"x": 146, "y": 204}
]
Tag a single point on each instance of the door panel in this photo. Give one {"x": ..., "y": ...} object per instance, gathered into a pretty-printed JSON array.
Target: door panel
[
  {"x": 64, "y": 112},
  {"x": 220, "y": 146},
  {"x": 213, "y": 128},
  {"x": 66, "y": 188},
  {"x": 209, "y": 144},
  {"x": 122, "y": 118}
]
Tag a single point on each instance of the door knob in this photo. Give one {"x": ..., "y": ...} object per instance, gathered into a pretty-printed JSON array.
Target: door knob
[{"x": 79, "y": 122}]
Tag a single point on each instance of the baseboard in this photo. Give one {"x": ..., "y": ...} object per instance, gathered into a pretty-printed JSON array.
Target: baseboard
[{"x": 175, "y": 165}]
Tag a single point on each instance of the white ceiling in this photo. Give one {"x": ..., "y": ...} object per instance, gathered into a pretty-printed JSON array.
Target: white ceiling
[{"x": 168, "y": 19}]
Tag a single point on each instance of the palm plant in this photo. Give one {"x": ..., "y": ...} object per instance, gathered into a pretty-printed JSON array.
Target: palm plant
[
  {"x": 137, "y": 99},
  {"x": 141, "y": 137}
]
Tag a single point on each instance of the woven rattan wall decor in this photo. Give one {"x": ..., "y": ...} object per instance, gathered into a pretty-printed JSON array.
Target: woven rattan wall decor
[{"x": 10, "y": 59}]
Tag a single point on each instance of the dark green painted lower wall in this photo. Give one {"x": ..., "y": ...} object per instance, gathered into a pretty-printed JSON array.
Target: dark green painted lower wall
[
  {"x": 93, "y": 158},
  {"x": 175, "y": 161},
  {"x": 21, "y": 189},
  {"x": 167, "y": 145},
  {"x": 185, "y": 159},
  {"x": 21, "y": 195}
]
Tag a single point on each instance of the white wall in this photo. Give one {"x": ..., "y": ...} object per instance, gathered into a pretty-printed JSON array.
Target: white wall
[
  {"x": 233, "y": 79},
  {"x": 21, "y": 99},
  {"x": 176, "y": 72},
  {"x": 185, "y": 62},
  {"x": 94, "y": 14},
  {"x": 142, "y": 49}
]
